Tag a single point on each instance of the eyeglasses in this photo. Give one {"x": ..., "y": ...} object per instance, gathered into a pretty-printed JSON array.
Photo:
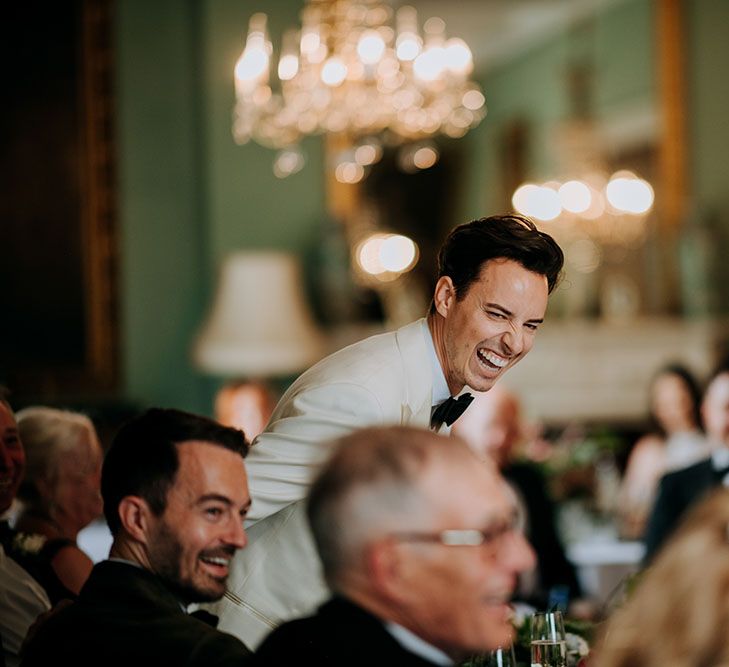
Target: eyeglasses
[{"x": 491, "y": 536}]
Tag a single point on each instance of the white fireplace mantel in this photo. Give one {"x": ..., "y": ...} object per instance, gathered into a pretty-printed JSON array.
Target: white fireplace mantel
[{"x": 592, "y": 370}]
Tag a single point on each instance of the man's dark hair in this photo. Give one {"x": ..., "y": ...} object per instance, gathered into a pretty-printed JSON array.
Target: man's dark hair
[
  {"x": 514, "y": 237},
  {"x": 142, "y": 460}
]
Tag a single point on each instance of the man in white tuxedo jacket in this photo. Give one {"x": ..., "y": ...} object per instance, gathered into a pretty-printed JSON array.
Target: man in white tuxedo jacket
[{"x": 495, "y": 275}]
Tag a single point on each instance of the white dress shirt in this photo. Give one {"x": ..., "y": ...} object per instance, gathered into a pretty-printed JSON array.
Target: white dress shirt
[{"x": 411, "y": 642}]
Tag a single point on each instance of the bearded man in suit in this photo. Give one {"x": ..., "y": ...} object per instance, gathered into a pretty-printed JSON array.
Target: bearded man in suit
[
  {"x": 175, "y": 498},
  {"x": 420, "y": 544},
  {"x": 495, "y": 275},
  {"x": 679, "y": 490}
]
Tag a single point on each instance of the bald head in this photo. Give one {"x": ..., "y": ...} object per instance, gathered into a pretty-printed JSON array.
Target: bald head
[{"x": 372, "y": 485}]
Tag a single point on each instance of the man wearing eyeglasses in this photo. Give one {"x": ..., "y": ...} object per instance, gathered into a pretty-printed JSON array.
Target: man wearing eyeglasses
[{"x": 421, "y": 548}]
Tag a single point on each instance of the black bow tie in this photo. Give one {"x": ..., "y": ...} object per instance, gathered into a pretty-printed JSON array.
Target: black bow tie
[
  {"x": 206, "y": 617},
  {"x": 721, "y": 473},
  {"x": 450, "y": 410}
]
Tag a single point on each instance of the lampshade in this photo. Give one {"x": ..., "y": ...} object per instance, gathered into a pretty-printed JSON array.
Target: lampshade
[{"x": 259, "y": 324}]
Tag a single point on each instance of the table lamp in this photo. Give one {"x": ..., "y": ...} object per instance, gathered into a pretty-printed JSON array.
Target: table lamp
[{"x": 259, "y": 327}]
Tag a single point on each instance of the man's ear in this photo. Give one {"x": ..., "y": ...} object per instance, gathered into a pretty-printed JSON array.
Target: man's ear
[
  {"x": 383, "y": 565},
  {"x": 444, "y": 295},
  {"x": 136, "y": 517}
]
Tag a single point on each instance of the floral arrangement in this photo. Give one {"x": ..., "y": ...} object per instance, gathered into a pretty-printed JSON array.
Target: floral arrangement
[{"x": 574, "y": 458}]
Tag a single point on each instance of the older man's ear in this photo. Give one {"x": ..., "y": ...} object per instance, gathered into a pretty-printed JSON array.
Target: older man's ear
[{"x": 384, "y": 566}]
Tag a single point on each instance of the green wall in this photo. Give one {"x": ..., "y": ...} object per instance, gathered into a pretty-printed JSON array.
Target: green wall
[
  {"x": 187, "y": 194},
  {"x": 246, "y": 205},
  {"x": 160, "y": 172}
]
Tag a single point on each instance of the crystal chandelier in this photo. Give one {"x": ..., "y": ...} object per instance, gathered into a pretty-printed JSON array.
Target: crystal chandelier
[
  {"x": 348, "y": 71},
  {"x": 587, "y": 202}
]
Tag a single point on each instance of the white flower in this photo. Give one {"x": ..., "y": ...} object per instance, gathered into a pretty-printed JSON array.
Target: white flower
[
  {"x": 521, "y": 612},
  {"x": 29, "y": 543},
  {"x": 576, "y": 645}
]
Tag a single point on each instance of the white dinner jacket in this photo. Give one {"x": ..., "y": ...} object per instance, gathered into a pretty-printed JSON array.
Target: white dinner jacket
[{"x": 382, "y": 380}]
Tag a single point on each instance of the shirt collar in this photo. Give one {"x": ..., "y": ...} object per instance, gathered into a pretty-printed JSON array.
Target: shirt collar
[
  {"x": 416, "y": 645},
  {"x": 720, "y": 457},
  {"x": 720, "y": 461},
  {"x": 440, "y": 386}
]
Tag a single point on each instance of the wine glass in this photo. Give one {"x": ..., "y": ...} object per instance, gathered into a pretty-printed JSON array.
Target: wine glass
[
  {"x": 548, "y": 645},
  {"x": 502, "y": 657}
]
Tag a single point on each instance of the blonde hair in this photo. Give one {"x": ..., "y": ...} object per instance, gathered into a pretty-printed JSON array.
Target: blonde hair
[
  {"x": 679, "y": 613},
  {"x": 48, "y": 435}
]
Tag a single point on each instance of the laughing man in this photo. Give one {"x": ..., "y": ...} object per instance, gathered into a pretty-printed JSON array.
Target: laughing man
[{"x": 495, "y": 275}]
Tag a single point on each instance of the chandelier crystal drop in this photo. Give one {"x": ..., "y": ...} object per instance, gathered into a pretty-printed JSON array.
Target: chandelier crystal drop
[{"x": 349, "y": 70}]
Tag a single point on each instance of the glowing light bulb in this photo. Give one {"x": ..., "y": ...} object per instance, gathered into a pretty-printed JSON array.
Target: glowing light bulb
[
  {"x": 333, "y": 72},
  {"x": 430, "y": 64},
  {"x": 473, "y": 100},
  {"x": 381, "y": 253},
  {"x": 408, "y": 47},
  {"x": 546, "y": 204},
  {"x": 349, "y": 172},
  {"x": 397, "y": 253},
  {"x": 575, "y": 196},
  {"x": 425, "y": 157},
  {"x": 630, "y": 194},
  {"x": 252, "y": 65},
  {"x": 523, "y": 196},
  {"x": 288, "y": 66},
  {"x": 370, "y": 47},
  {"x": 368, "y": 255},
  {"x": 458, "y": 57}
]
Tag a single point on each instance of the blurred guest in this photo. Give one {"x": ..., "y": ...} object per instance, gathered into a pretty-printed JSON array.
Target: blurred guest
[
  {"x": 22, "y": 598},
  {"x": 493, "y": 428},
  {"x": 246, "y": 406},
  {"x": 678, "y": 490},
  {"x": 59, "y": 493},
  {"x": 175, "y": 498},
  {"x": 676, "y": 442},
  {"x": 678, "y": 614},
  {"x": 420, "y": 546}
]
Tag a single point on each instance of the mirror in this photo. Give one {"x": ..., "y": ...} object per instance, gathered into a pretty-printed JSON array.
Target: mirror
[{"x": 570, "y": 88}]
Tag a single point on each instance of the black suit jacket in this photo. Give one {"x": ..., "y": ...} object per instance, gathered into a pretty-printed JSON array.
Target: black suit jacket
[
  {"x": 340, "y": 633},
  {"x": 677, "y": 491},
  {"x": 124, "y": 615},
  {"x": 553, "y": 566}
]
